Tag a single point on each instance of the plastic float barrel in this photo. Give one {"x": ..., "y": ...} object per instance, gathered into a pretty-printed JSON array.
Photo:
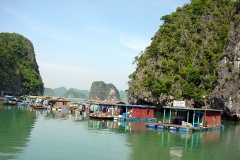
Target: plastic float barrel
[
  {"x": 19, "y": 105},
  {"x": 136, "y": 119},
  {"x": 218, "y": 127},
  {"x": 196, "y": 125},
  {"x": 161, "y": 128},
  {"x": 144, "y": 119},
  {"x": 172, "y": 128},
  {"x": 154, "y": 119},
  {"x": 149, "y": 119},
  {"x": 151, "y": 126}
]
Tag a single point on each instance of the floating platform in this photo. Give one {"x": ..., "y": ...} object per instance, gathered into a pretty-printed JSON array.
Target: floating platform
[
  {"x": 136, "y": 119},
  {"x": 175, "y": 127}
]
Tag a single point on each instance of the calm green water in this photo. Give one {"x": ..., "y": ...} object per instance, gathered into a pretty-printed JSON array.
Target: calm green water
[{"x": 32, "y": 134}]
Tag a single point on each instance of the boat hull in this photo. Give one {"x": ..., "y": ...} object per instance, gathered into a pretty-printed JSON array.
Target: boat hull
[{"x": 103, "y": 118}]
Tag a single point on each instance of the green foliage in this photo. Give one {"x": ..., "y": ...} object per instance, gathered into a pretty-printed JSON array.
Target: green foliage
[
  {"x": 166, "y": 18},
  {"x": 72, "y": 94},
  {"x": 237, "y": 3},
  {"x": 157, "y": 66},
  {"x": 7, "y": 65},
  {"x": 156, "y": 85},
  {"x": 132, "y": 76},
  {"x": 48, "y": 92},
  {"x": 194, "y": 77},
  {"x": 17, "y": 63},
  {"x": 186, "y": 50},
  {"x": 230, "y": 66},
  {"x": 188, "y": 90}
]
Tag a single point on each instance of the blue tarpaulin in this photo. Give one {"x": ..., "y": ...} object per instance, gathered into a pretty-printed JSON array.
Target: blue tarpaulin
[{"x": 7, "y": 96}]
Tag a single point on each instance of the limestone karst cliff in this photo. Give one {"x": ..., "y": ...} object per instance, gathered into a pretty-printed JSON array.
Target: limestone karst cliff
[
  {"x": 226, "y": 93},
  {"x": 100, "y": 90},
  {"x": 19, "y": 70},
  {"x": 194, "y": 56}
]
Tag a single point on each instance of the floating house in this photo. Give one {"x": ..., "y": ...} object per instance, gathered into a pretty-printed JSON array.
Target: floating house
[
  {"x": 104, "y": 109},
  {"x": 61, "y": 103},
  {"x": 32, "y": 98},
  {"x": 194, "y": 116},
  {"x": 180, "y": 118},
  {"x": 122, "y": 112},
  {"x": 143, "y": 112},
  {"x": 37, "y": 102}
]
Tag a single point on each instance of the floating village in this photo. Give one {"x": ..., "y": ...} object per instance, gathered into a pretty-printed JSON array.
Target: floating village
[{"x": 178, "y": 117}]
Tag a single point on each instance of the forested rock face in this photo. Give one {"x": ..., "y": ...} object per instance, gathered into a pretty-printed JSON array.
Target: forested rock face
[
  {"x": 194, "y": 56},
  {"x": 48, "y": 92},
  {"x": 226, "y": 94},
  {"x": 102, "y": 91},
  {"x": 18, "y": 67},
  {"x": 60, "y": 91}
]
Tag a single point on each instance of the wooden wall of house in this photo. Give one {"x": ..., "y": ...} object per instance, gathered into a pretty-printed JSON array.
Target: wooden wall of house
[
  {"x": 64, "y": 104},
  {"x": 212, "y": 118},
  {"x": 142, "y": 112}
]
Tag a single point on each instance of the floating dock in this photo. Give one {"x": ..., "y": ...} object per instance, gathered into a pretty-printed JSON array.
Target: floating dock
[
  {"x": 136, "y": 119},
  {"x": 175, "y": 127}
]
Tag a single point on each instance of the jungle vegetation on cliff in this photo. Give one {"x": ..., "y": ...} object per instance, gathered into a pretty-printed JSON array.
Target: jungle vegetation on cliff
[
  {"x": 18, "y": 68},
  {"x": 182, "y": 60}
]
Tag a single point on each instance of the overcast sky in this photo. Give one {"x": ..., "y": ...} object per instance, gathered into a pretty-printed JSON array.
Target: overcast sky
[{"x": 77, "y": 42}]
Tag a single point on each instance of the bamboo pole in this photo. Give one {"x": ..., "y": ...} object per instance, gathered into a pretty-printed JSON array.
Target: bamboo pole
[{"x": 164, "y": 115}]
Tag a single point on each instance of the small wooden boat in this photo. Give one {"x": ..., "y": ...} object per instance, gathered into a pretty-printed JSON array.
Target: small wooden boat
[
  {"x": 101, "y": 117},
  {"x": 10, "y": 100}
]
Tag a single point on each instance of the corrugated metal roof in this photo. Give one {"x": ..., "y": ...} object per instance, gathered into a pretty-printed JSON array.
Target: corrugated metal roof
[
  {"x": 192, "y": 109},
  {"x": 7, "y": 96},
  {"x": 128, "y": 105}
]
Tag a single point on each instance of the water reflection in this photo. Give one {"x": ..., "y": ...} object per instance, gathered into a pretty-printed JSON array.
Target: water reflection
[
  {"x": 16, "y": 131},
  {"x": 55, "y": 114},
  {"x": 176, "y": 152},
  {"x": 119, "y": 127},
  {"x": 16, "y": 124}
]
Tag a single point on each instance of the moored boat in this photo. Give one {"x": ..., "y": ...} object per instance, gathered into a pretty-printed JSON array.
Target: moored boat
[
  {"x": 101, "y": 117},
  {"x": 10, "y": 100}
]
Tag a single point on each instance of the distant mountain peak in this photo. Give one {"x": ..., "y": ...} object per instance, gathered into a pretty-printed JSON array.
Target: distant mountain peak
[
  {"x": 103, "y": 91},
  {"x": 63, "y": 92}
]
